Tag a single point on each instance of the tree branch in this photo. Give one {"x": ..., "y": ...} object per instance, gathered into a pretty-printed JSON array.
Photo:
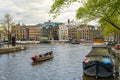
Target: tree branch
[{"x": 112, "y": 24}]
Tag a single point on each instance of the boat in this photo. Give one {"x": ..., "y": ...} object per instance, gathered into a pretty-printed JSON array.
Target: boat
[
  {"x": 75, "y": 41},
  {"x": 98, "y": 63},
  {"x": 99, "y": 42},
  {"x": 27, "y": 42},
  {"x": 85, "y": 77},
  {"x": 43, "y": 57}
]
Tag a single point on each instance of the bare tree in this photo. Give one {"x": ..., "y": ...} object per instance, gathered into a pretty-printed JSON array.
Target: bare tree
[{"x": 6, "y": 25}]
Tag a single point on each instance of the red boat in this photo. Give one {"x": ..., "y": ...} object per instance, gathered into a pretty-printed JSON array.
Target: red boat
[{"x": 43, "y": 57}]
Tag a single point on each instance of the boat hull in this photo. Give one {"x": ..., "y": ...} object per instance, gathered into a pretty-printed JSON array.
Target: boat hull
[
  {"x": 43, "y": 57},
  {"x": 98, "y": 69}
]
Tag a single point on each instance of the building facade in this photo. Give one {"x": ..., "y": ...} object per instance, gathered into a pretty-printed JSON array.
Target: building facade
[
  {"x": 63, "y": 32},
  {"x": 72, "y": 32},
  {"x": 34, "y": 32},
  {"x": 87, "y": 32},
  {"x": 58, "y": 31},
  {"x": 23, "y": 32}
]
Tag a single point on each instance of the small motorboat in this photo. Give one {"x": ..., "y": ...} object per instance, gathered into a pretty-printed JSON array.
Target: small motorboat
[{"x": 43, "y": 57}]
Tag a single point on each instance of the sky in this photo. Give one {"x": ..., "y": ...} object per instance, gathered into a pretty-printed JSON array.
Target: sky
[{"x": 35, "y": 11}]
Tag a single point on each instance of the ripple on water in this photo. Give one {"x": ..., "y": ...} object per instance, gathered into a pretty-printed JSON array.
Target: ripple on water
[{"x": 66, "y": 64}]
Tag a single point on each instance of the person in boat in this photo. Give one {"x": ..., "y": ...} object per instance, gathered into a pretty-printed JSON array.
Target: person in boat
[
  {"x": 36, "y": 56},
  {"x": 46, "y": 54},
  {"x": 50, "y": 53},
  {"x": 40, "y": 55}
]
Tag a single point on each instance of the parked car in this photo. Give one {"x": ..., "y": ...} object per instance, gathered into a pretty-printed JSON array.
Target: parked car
[
  {"x": 111, "y": 43},
  {"x": 117, "y": 46}
]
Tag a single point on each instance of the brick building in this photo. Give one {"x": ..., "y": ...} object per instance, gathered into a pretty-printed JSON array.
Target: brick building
[{"x": 23, "y": 32}]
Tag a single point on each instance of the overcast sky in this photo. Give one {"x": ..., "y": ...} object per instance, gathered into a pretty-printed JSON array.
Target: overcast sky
[{"x": 34, "y": 11}]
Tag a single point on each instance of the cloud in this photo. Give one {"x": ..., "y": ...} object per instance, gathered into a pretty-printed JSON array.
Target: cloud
[{"x": 34, "y": 11}]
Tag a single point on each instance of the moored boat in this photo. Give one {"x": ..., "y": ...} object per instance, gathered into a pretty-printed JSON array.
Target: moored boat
[
  {"x": 75, "y": 42},
  {"x": 43, "y": 57},
  {"x": 98, "y": 63},
  {"x": 28, "y": 42}
]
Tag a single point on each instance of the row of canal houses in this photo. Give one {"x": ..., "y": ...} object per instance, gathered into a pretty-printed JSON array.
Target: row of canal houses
[{"x": 55, "y": 31}]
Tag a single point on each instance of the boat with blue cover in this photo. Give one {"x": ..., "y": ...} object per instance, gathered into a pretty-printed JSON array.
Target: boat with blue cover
[{"x": 98, "y": 63}]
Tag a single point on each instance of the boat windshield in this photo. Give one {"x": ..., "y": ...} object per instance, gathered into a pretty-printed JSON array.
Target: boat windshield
[
  {"x": 100, "y": 58},
  {"x": 106, "y": 60}
]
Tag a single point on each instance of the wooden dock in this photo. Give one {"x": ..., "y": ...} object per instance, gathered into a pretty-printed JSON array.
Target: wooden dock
[{"x": 11, "y": 49}]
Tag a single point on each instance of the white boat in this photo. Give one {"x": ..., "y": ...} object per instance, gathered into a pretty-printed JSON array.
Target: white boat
[{"x": 31, "y": 42}]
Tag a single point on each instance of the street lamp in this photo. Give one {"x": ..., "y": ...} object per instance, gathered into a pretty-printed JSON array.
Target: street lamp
[{"x": 8, "y": 31}]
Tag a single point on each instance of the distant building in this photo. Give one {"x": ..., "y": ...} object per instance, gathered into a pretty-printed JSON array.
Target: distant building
[
  {"x": 72, "y": 32},
  {"x": 87, "y": 32},
  {"x": 44, "y": 33},
  {"x": 63, "y": 32},
  {"x": 23, "y": 32},
  {"x": 34, "y": 32},
  {"x": 97, "y": 33},
  {"x": 50, "y": 30},
  {"x": 55, "y": 32}
]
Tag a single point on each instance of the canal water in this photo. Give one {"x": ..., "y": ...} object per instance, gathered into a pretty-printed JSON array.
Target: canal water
[{"x": 66, "y": 64}]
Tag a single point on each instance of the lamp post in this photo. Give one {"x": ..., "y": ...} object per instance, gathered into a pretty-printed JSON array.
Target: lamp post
[{"x": 8, "y": 31}]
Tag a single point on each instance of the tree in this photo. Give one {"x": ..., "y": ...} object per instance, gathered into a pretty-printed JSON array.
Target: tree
[
  {"x": 20, "y": 36},
  {"x": 106, "y": 11},
  {"x": 50, "y": 36},
  {"x": 6, "y": 26},
  {"x": 78, "y": 34},
  {"x": 64, "y": 36},
  {"x": 3, "y": 31}
]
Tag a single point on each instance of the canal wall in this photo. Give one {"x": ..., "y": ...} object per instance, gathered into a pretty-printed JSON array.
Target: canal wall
[
  {"x": 11, "y": 49},
  {"x": 115, "y": 52}
]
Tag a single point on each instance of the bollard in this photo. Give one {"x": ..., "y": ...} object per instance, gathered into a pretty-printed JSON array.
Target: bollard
[{"x": 116, "y": 67}]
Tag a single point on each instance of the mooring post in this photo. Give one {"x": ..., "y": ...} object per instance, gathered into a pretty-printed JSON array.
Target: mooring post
[{"x": 116, "y": 67}]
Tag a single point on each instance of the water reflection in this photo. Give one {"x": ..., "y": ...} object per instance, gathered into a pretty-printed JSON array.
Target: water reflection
[
  {"x": 85, "y": 77},
  {"x": 66, "y": 64},
  {"x": 40, "y": 62}
]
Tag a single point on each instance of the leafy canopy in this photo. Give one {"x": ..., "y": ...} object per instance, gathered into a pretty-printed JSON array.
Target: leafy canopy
[{"x": 106, "y": 11}]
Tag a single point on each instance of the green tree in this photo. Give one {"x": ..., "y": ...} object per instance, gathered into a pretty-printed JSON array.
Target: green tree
[
  {"x": 3, "y": 31},
  {"x": 50, "y": 36},
  {"x": 91, "y": 34},
  {"x": 106, "y": 11},
  {"x": 64, "y": 36},
  {"x": 20, "y": 36},
  {"x": 78, "y": 34}
]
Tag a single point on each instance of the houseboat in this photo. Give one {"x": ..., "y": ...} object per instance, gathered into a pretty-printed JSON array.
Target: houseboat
[{"x": 98, "y": 61}]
